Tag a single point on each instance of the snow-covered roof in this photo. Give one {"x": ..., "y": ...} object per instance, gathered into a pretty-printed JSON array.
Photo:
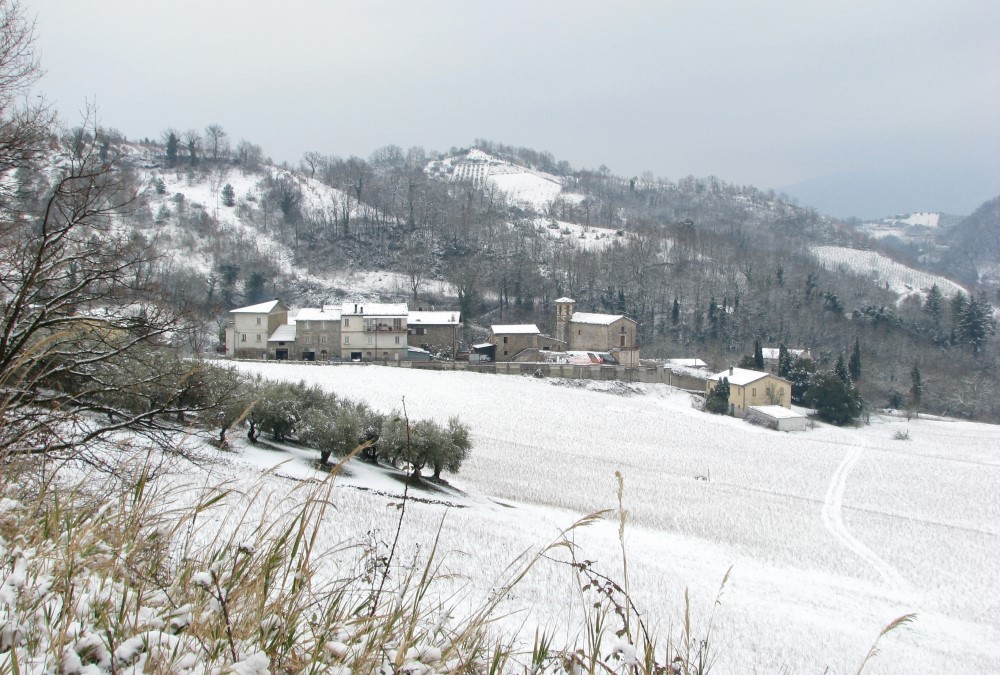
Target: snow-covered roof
[
  {"x": 483, "y": 345},
  {"x": 376, "y": 309},
  {"x": 564, "y": 299},
  {"x": 776, "y": 411},
  {"x": 516, "y": 329},
  {"x": 739, "y": 376},
  {"x": 283, "y": 333},
  {"x": 318, "y": 314},
  {"x": 600, "y": 319},
  {"x": 434, "y": 318},
  {"x": 771, "y": 353},
  {"x": 261, "y": 308}
]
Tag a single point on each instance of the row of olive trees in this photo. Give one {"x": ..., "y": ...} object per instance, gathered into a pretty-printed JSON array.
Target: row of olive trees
[{"x": 336, "y": 427}]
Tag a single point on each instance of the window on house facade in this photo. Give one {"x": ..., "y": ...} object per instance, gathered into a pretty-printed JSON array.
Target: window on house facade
[
  {"x": 505, "y": 342},
  {"x": 347, "y": 339},
  {"x": 397, "y": 339},
  {"x": 369, "y": 339},
  {"x": 243, "y": 338},
  {"x": 258, "y": 320},
  {"x": 347, "y": 323},
  {"x": 397, "y": 324},
  {"x": 258, "y": 337},
  {"x": 753, "y": 392}
]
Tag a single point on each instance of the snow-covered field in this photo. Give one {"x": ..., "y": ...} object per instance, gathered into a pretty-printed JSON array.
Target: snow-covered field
[
  {"x": 831, "y": 533},
  {"x": 902, "y": 280}
]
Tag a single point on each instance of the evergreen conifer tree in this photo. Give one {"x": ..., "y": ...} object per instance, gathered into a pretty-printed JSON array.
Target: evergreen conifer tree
[
  {"x": 758, "y": 355},
  {"x": 718, "y": 399},
  {"x": 916, "y": 388},
  {"x": 835, "y": 399},
  {"x": 172, "y": 149},
  {"x": 934, "y": 303},
  {"x": 854, "y": 364},
  {"x": 784, "y": 361},
  {"x": 976, "y": 324},
  {"x": 675, "y": 312},
  {"x": 840, "y": 370},
  {"x": 228, "y": 195}
]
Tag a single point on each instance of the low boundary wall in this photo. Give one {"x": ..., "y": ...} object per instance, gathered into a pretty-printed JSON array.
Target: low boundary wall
[{"x": 645, "y": 375}]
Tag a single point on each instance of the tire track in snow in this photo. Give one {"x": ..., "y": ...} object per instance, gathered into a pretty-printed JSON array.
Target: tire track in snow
[{"x": 833, "y": 520}]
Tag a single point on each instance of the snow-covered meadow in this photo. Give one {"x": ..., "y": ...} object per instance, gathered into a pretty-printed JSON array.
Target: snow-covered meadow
[
  {"x": 883, "y": 270},
  {"x": 830, "y": 533}
]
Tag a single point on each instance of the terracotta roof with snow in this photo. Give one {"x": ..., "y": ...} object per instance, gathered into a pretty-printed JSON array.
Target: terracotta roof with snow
[
  {"x": 434, "y": 318},
  {"x": 516, "y": 329},
  {"x": 600, "y": 319},
  {"x": 375, "y": 309},
  {"x": 739, "y": 376},
  {"x": 261, "y": 308},
  {"x": 283, "y": 333}
]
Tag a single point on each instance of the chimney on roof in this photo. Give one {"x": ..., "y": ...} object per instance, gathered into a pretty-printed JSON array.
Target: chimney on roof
[
  {"x": 730, "y": 370},
  {"x": 355, "y": 308}
]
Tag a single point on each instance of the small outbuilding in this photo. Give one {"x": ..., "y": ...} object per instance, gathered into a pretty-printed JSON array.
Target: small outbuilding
[{"x": 777, "y": 417}]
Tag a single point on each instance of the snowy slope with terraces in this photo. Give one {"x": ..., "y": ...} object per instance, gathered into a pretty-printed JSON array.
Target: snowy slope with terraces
[
  {"x": 902, "y": 280},
  {"x": 521, "y": 185}
]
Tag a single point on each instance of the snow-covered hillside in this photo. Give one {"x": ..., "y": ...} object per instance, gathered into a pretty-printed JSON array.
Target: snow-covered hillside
[
  {"x": 584, "y": 236},
  {"x": 884, "y": 271},
  {"x": 831, "y": 533},
  {"x": 521, "y": 185}
]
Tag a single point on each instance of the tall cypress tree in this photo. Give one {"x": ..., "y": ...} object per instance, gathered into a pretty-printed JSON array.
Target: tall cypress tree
[
  {"x": 916, "y": 387},
  {"x": 172, "y": 149},
  {"x": 758, "y": 355},
  {"x": 784, "y": 361},
  {"x": 854, "y": 364}
]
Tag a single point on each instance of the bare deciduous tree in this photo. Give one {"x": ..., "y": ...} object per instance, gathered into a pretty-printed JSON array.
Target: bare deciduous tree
[
  {"x": 218, "y": 141},
  {"x": 80, "y": 323}
]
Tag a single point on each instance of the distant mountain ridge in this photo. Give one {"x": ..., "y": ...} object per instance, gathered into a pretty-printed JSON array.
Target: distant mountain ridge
[{"x": 872, "y": 195}]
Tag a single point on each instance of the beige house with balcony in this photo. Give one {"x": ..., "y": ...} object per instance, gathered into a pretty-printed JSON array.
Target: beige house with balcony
[
  {"x": 248, "y": 335},
  {"x": 752, "y": 388},
  {"x": 371, "y": 331}
]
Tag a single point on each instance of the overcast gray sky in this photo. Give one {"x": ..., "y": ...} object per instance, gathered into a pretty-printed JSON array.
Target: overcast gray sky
[{"x": 769, "y": 93}]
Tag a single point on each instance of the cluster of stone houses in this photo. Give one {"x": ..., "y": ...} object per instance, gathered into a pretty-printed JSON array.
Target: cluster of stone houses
[
  {"x": 352, "y": 331},
  {"x": 360, "y": 331},
  {"x": 606, "y": 338}
]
